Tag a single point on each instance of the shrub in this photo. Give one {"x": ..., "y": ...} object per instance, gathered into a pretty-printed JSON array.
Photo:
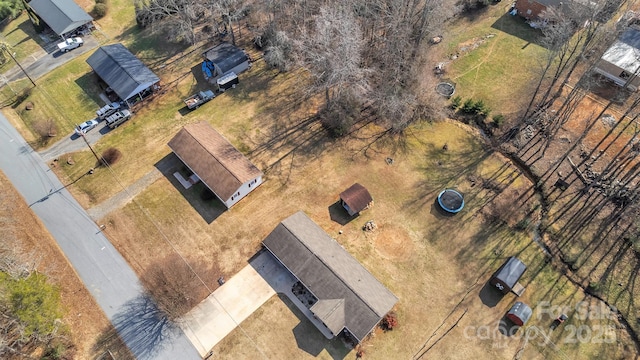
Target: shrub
[
  {"x": 468, "y": 107},
  {"x": 498, "y": 120},
  {"x": 455, "y": 102},
  {"x": 111, "y": 156},
  {"x": 10, "y": 9},
  {"x": 390, "y": 321},
  {"x": 46, "y": 129},
  {"x": 99, "y": 10},
  {"x": 480, "y": 108},
  {"x": 593, "y": 287},
  {"x": 523, "y": 224}
]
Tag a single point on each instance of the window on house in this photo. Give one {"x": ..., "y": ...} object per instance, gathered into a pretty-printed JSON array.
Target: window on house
[{"x": 624, "y": 75}]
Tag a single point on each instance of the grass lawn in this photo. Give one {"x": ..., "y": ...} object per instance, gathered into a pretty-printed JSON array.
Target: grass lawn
[
  {"x": 143, "y": 139},
  {"x": 414, "y": 251},
  {"x": 436, "y": 265},
  {"x": 21, "y": 36},
  {"x": 498, "y": 59},
  {"x": 119, "y": 21},
  {"x": 66, "y": 97}
]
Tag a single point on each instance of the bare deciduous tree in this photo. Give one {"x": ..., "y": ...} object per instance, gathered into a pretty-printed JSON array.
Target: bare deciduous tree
[{"x": 178, "y": 17}]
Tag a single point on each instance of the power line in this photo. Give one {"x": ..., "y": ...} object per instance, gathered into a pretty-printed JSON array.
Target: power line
[
  {"x": 154, "y": 223},
  {"x": 166, "y": 239}
]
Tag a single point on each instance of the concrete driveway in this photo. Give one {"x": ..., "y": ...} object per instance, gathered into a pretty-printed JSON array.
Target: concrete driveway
[
  {"x": 221, "y": 312},
  {"x": 216, "y": 316}
]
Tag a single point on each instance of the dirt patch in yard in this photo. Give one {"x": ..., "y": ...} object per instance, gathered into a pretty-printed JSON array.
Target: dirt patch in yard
[{"x": 392, "y": 242}]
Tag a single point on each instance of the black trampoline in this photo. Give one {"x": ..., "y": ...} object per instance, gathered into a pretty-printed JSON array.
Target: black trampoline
[
  {"x": 451, "y": 201},
  {"x": 445, "y": 89}
]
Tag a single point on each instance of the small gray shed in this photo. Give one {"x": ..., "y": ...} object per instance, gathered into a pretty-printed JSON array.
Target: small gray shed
[
  {"x": 223, "y": 59},
  {"x": 519, "y": 313},
  {"x": 507, "y": 276}
]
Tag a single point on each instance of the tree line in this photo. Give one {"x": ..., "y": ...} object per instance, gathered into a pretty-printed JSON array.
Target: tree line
[{"x": 361, "y": 54}]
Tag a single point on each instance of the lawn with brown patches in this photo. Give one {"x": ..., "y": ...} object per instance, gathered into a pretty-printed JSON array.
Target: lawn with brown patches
[{"x": 430, "y": 249}]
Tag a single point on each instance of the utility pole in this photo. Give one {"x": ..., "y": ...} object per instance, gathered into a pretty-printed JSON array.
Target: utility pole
[
  {"x": 100, "y": 160},
  {"x": 5, "y": 48}
]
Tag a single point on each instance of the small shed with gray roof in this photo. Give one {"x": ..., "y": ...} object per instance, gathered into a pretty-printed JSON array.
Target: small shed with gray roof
[
  {"x": 62, "y": 16},
  {"x": 123, "y": 72},
  {"x": 223, "y": 59},
  {"x": 216, "y": 162},
  {"x": 621, "y": 62},
  {"x": 507, "y": 277},
  {"x": 349, "y": 300}
]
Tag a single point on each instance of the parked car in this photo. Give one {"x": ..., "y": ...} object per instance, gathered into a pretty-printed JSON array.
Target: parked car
[
  {"x": 198, "y": 99},
  {"x": 70, "y": 44},
  {"x": 107, "y": 110},
  {"x": 114, "y": 120},
  {"x": 86, "y": 126}
]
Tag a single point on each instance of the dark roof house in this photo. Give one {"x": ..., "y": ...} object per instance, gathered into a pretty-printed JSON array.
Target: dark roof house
[
  {"x": 124, "y": 73},
  {"x": 356, "y": 199},
  {"x": 349, "y": 298},
  {"x": 223, "y": 59},
  {"x": 218, "y": 164},
  {"x": 62, "y": 16}
]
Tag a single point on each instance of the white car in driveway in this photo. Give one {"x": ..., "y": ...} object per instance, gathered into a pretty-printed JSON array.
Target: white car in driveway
[
  {"x": 86, "y": 126},
  {"x": 70, "y": 44}
]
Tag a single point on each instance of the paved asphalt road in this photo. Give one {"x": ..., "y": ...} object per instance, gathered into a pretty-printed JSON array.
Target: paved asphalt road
[
  {"x": 47, "y": 59},
  {"x": 74, "y": 142},
  {"x": 103, "y": 270}
]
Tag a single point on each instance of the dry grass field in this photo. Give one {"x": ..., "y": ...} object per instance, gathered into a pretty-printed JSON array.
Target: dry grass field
[{"x": 437, "y": 265}]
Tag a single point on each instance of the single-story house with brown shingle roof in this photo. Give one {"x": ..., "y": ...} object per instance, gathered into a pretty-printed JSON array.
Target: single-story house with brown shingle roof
[
  {"x": 216, "y": 162},
  {"x": 349, "y": 300},
  {"x": 355, "y": 199}
]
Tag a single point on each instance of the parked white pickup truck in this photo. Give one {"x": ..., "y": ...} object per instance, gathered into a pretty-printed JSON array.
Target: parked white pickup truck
[
  {"x": 114, "y": 120},
  {"x": 107, "y": 110},
  {"x": 70, "y": 44}
]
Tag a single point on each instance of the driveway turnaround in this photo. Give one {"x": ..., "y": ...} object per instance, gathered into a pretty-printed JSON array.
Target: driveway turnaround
[{"x": 102, "y": 269}]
